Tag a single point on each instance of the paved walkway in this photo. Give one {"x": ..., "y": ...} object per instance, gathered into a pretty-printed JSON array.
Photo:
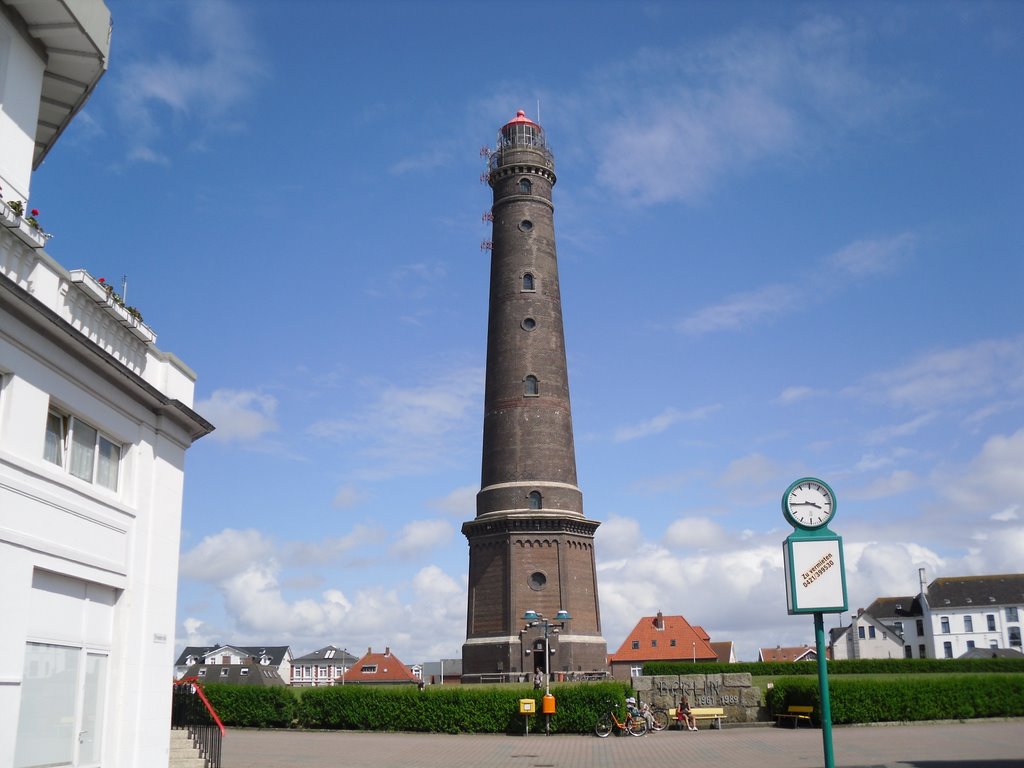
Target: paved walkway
[{"x": 977, "y": 744}]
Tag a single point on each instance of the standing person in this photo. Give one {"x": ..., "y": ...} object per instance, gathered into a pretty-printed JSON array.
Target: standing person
[
  {"x": 538, "y": 680},
  {"x": 684, "y": 715}
]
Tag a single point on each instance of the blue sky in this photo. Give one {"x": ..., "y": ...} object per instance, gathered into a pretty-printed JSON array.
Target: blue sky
[{"x": 790, "y": 242}]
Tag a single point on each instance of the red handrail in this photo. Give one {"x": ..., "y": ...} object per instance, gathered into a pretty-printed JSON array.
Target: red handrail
[{"x": 198, "y": 688}]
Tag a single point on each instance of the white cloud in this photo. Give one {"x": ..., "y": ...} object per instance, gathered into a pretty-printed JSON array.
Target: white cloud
[
  {"x": 422, "y": 536},
  {"x": 896, "y": 482},
  {"x": 239, "y": 415},
  {"x": 410, "y": 430},
  {"x": 695, "y": 533},
  {"x": 982, "y": 370},
  {"x": 460, "y": 503},
  {"x": 871, "y": 257},
  {"x": 721, "y": 109},
  {"x": 792, "y": 395},
  {"x": 199, "y": 92},
  {"x": 348, "y": 496},
  {"x": 740, "y": 310},
  {"x": 661, "y": 422},
  {"x": 223, "y": 554},
  {"x": 1008, "y": 514}
]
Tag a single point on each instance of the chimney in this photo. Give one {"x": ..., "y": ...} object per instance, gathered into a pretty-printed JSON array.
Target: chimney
[
  {"x": 387, "y": 650},
  {"x": 659, "y": 621},
  {"x": 369, "y": 650},
  {"x": 922, "y": 579}
]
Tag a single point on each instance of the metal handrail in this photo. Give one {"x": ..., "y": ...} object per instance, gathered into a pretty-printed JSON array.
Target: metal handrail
[{"x": 191, "y": 710}]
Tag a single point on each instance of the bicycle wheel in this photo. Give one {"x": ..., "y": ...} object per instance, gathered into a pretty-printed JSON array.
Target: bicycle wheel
[
  {"x": 604, "y": 726},
  {"x": 660, "y": 719},
  {"x": 636, "y": 726}
]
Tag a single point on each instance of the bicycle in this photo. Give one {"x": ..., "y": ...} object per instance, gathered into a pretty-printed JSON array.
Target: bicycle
[
  {"x": 633, "y": 725},
  {"x": 659, "y": 716}
]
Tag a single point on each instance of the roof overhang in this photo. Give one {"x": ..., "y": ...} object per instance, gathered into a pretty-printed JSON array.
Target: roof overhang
[{"x": 73, "y": 39}]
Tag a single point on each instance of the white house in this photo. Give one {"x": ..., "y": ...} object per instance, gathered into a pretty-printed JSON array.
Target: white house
[
  {"x": 278, "y": 657},
  {"x": 95, "y": 421},
  {"x": 324, "y": 666},
  {"x": 955, "y": 615},
  {"x": 865, "y": 637}
]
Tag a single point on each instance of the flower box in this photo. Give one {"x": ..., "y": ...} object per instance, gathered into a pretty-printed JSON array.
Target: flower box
[
  {"x": 29, "y": 235},
  {"x": 92, "y": 287},
  {"x": 142, "y": 331},
  {"x": 8, "y": 217}
]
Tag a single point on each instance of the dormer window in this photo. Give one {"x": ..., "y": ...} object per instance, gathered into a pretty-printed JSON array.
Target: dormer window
[{"x": 368, "y": 668}]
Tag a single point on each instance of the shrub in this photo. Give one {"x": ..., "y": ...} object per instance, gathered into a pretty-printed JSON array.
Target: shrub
[
  {"x": 252, "y": 706},
  {"x": 925, "y": 697},
  {"x": 842, "y": 667}
]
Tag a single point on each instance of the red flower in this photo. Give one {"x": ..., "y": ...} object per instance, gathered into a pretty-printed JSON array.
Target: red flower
[
  {"x": 35, "y": 211},
  {"x": 101, "y": 280}
]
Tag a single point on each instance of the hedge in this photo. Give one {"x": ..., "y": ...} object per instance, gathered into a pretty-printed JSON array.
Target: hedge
[
  {"x": 841, "y": 667},
  {"x": 925, "y": 697},
  {"x": 252, "y": 706},
  {"x": 436, "y": 709}
]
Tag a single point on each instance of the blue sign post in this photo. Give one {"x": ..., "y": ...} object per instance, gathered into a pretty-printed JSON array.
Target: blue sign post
[{"x": 815, "y": 574}]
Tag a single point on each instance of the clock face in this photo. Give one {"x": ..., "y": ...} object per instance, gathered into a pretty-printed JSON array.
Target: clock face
[{"x": 809, "y": 503}]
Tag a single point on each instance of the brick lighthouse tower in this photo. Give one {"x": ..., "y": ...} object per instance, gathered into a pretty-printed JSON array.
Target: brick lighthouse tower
[{"x": 530, "y": 547}]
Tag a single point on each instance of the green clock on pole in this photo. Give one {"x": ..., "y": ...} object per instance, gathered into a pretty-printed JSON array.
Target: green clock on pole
[{"x": 813, "y": 554}]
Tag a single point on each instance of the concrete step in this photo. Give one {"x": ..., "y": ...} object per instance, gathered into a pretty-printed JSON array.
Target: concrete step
[{"x": 183, "y": 754}]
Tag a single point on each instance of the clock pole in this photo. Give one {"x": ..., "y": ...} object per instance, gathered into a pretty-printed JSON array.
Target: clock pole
[{"x": 815, "y": 575}]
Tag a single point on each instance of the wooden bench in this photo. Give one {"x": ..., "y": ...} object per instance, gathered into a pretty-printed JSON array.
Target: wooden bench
[
  {"x": 796, "y": 713},
  {"x": 708, "y": 713}
]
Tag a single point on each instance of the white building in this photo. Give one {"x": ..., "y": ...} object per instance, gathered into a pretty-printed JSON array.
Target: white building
[
  {"x": 94, "y": 424},
  {"x": 865, "y": 637},
  {"x": 955, "y": 615}
]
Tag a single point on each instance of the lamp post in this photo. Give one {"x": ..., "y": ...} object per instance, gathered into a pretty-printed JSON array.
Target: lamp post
[
  {"x": 344, "y": 664},
  {"x": 534, "y": 619}
]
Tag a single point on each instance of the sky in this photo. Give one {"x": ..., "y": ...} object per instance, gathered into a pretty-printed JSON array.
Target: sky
[{"x": 790, "y": 243}]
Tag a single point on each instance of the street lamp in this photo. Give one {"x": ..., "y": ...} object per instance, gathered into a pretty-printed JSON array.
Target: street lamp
[
  {"x": 344, "y": 664},
  {"x": 534, "y": 619}
]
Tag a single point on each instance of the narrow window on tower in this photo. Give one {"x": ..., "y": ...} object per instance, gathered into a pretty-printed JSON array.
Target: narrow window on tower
[
  {"x": 531, "y": 388},
  {"x": 525, "y": 186},
  {"x": 528, "y": 282},
  {"x": 535, "y": 500}
]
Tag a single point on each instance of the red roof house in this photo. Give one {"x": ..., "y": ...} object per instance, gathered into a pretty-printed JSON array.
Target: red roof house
[
  {"x": 778, "y": 653},
  {"x": 660, "y": 638},
  {"x": 379, "y": 669}
]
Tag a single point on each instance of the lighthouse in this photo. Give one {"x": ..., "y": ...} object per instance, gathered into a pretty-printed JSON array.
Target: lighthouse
[{"x": 531, "y": 549}]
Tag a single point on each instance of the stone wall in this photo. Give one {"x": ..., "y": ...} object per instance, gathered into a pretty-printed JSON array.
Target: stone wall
[{"x": 730, "y": 690}]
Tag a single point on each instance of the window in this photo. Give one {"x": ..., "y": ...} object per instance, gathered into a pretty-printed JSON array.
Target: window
[
  {"x": 531, "y": 388},
  {"x": 80, "y": 448},
  {"x": 525, "y": 186},
  {"x": 62, "y": 702},
  {"x": 991, "y": 619},
  {"x": 224, "y": 671},
  {"x": 329, "y": 654},
  {"x": 528, "y": 282},
  {"x": 1011, "y": 613},
  {"x": 993, "y": 643},
  {"x": 945, "y": 624},
  {"x": 243, "y": 671},
  {"x": 898, "y": 626},
  {"x": 921, "y": 653},
  {"x": 672, "y": 642},
  {"x": 968, "y": 624},
  {"x": 860, "y": 632},
  {"x": 529, "y": 324},
  {"x": 920, "y": 628},
  {"x": 636, "y": 645},
  {"x": 947, "y": 650},
  {"x": 970, "y": 645},
  {"x": 202, "y": 672},
  {"x": 368, "y": 668},
  {"x": 536, "y": 501},
  {"x": 654, "y": 643},
  {"x": 1014, "y": 633},
  {"x": 636, "y": 670},
  {"x": 871, "y": 632},
  {"x": 908, "y": 652}
]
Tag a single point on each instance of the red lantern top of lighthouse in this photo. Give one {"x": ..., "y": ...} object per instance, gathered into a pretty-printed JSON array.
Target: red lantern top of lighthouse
[{"x": 521, "y": 131}]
